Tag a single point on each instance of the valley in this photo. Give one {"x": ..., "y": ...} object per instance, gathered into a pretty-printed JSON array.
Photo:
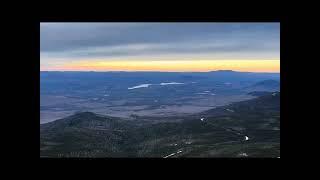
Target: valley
[
  {"x": 201, "y": 117},
  {"x": 123, "y": 94}
]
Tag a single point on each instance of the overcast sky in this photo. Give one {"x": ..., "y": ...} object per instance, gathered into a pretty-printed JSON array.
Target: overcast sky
[{"x": 65, "y": 43}]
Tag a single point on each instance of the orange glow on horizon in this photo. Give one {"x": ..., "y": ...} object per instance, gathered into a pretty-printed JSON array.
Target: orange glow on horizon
[{"x": 171, "y": 66}]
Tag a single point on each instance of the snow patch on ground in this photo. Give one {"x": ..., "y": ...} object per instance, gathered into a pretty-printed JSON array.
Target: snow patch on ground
[
  {"x": 243, "y": 154},
  {"x": 230, "y": 110},
  {"x": 169, "y": 155},
  {"x": 173, "y": 154}
]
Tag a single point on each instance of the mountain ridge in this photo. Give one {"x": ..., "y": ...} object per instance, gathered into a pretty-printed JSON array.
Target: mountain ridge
[{"x": 255, "y": 122}]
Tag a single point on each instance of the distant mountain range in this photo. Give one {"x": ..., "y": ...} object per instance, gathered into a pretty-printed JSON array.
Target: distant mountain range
[
  {"x": 244, "y": 129},
  {"x": 79, "y": 83}
]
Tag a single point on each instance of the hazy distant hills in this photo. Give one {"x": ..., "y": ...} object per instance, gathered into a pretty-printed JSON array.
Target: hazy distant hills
[
  {"x": 69, "y": 82},
  {"x": 263, "y": 105},
  {"x": 259, "y": 93},
  {"x": 244, "y": 129},
  {"x": 266, "y": 85}
]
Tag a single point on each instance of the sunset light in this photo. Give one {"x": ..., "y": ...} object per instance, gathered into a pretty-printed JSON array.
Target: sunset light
[{"x": 173, "y": 66}]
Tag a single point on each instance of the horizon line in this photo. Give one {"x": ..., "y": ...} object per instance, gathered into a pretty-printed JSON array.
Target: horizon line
[
  {"x": 157, "y": 71},
  {"x": 169, "y": 66}
]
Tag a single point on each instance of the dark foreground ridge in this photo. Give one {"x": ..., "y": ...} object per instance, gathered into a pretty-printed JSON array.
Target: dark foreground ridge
[{"x": 244, "y": 129}]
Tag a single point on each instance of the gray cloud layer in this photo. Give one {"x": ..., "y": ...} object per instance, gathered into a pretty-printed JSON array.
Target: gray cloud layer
[{"x": 109, "y": 40}]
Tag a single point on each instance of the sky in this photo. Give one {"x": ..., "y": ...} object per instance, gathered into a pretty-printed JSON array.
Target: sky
[{"x": 174, "y": 47}]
